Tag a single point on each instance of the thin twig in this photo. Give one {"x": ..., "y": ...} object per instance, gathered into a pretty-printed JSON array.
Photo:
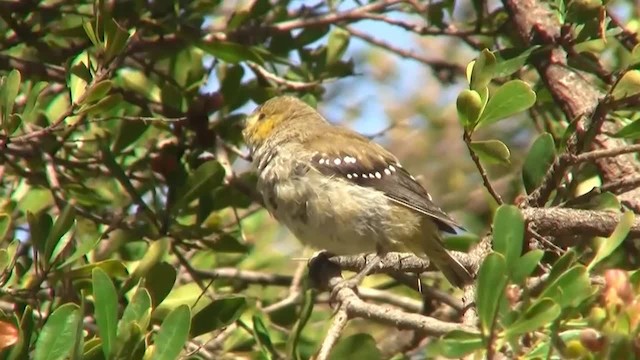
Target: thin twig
[
  {"x": 337, "y": 326},
  {"x": 481, "y": 169}
]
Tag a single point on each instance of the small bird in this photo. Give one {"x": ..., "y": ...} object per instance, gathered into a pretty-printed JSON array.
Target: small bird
[{"x": 337, "y": 190}]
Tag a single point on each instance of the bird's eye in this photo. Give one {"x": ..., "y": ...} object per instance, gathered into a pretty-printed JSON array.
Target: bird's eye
[{"x": 261, "y": 116}]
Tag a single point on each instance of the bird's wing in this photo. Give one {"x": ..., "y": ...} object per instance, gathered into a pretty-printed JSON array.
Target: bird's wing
[{"x": 340, "y": 152}]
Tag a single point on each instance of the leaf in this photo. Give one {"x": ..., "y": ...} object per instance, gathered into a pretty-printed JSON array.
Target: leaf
[
  {"x": 469, "y": 106},
  {"x": 173, "y": 334},
  {"x": 63, "y": 223},
  {"x": 31, "y": 107},
  {"x": 526, "y": 265},
  {"x": 5, "y": 225},
  {"x": 40, "y": 226},
  {"x": 97, "y": 92},
  {"x": 509, "y": 99},
  {"x": 483, "y": 70},
  {"x": 261, "y": 334},
  {"x": 9, "y": 335},
  {"x": 205, "y": 178},
  {"x": 611, "y": 243},
  {"x": 137, "y": 312},
  {"x": 357, "y": 346},
  {"x": 5, "y": 260},
  {"x": 230, "y": 52},
  {"x": 106, "y": 104},
  {"x": 540, "y": 314},
  {"x": 455, "y": 345},
  {"x": 9, "y": 88},
  {"x": 218, "y": 314},
  {"x": 570, "y": 288},
  {"x": 491, "y": 151},
  {"x": 539, "y": 159},
  {"x": 82, "y": 248},
  {"x": 492, "y": 279},
  {"x": 508, "y": 234},
  {"x": 159, "y": 282},
  {"x": 508, "y": 61},
  {"x": 337, "y": 44},
  {"x": 91, "y": 34},
  {"x": 628, "y": 85},
  {"x": 115, "y": 39},
  {"x": 58, "y": 335},
  {"x": 105, "y": 301},
  {"x": 114, "y": 268},
  {"x": 308, "y": 302},
  {"x": 630, "y": 131}
]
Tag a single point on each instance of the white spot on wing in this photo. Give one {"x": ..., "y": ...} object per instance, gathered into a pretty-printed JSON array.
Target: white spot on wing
[
  {"x": 349, "y": 160},
  {"x": 364, "y": 176},
  {"x": 387, "y": 171},
  {"x": 355, "y": 175},
  {"x": 321, "y": 161},
  {"x": 337, "y": 161},
  {"x": 393, "y": 169},
  {"x": 378, "y": 175},
  {"x": 371, "y": 175},
  {"x": 349, "y": 176}
]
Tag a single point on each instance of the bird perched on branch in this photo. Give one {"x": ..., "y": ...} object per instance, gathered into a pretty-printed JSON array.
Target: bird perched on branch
[{"x": 336, "y": 190}]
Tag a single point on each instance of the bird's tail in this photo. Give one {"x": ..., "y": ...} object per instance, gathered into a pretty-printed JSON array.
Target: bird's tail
[
  {"x": 451, "y": 268},
  {"x": 431, "y": 245}
]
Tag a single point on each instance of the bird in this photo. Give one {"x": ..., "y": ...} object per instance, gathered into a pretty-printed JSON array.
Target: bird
[{"x": 339, "y": 191}]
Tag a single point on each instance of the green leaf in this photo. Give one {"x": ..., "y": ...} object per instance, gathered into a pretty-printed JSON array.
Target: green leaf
[
  {"x": 611, "y": 243},
  {"x": 105, "y": 301},
  {"x": 82, "y": 248},
  {"x": 508, "y": 61},
  {"x": 540, "y": 314},
  {"x": 159, "y": 282},
  {"x": 508, "y": 234},
  {"x": 138, "y": 312},
  {"x": 63, "y": 223},
  {"x": 539, "y": 159},
  {"x": 5, "y": 260},
  {"x": 491, "y": 151},
  {"x": 509, "y": 99},
  {"x": 492, "y": 279},
  {"x": 526, "y": 265},
  {"x": 455, "y": 345},
  {"x": 114, "y": 268},
  {"x": 230, "y": 52},
  {"x": 40, "y": 226},
  {"x": 627, "y": 86},
  {"x": 5, "y": 225},
  {"x": 308, "y": 302},
  {"x": 9, "y": 88},
  {"x": 630, "y": 131},
  {"x": 173, "y": 334},
  {"x": 97, "y": 92},
  {"x": 116, "y": 38},
  {"x": 570, "y": 288},
  {"x": 337, "y": 44},
  {"x": 106, "y": 104},
  {"x": 469, "y": 105},
  {"x": 208, "y": 176},
  {"x": 91, "y": 34},
  {"x": 58, "y": 336},
  {"x": 128, "y": 133},
  {"x": 218, "y": 314},
  {"x": 483, "y": 70},
  {"x": 357, "y": 346},
  {"x": 310, "y": 34},
  {"x": 32, "y": 106},
  {"x": 261, "y": 334}
]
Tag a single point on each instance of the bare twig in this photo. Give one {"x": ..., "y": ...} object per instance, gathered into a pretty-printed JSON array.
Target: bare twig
[
  {"x": 338, "y": 324},
  {"x": 481, "y": 170}
]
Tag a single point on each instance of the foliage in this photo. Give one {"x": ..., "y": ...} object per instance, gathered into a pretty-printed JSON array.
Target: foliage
[{"x": 129, "y": 223}]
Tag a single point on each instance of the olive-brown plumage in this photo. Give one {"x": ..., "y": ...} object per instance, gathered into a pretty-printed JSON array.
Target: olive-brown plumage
[{"x": 337, "y": 190}]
